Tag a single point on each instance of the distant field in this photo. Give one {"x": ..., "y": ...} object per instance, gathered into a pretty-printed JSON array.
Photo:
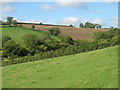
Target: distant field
[
  {"x": 17, "y": 33},
  {"x": 94, "y": 69},
  {"x": 75, "y": 33}
]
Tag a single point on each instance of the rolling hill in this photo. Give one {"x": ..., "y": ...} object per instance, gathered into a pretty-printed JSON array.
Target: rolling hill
[
  {"x": 75, "y": 33},
  {"x": 94, "y": 69},
  {"x": 17, "y": 33}
]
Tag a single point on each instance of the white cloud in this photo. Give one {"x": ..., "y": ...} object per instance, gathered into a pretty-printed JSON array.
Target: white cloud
[
  {"x": 70, "y": 20},
  {"x": 111, "y": 0},
  {"x": 71, "y": 4},
  {"x": 9, "y": 1},
  {"x": 97, "y": 21},
  {"x": 115, "y": 20},
  {"x": 28, "y": 21},
  {"x": 7, "y": 8},
  {"x": 3, "y": 16},
  {"x": 85, "y": 20},
  {"x": 47, "y": 7}
]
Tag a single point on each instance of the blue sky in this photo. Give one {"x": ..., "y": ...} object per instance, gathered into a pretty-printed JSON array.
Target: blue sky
[{"x": 64, "y": 13}]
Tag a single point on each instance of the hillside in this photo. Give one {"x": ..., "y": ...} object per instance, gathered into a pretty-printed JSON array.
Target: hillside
[
  {"x": 75, "y": 33},
  {"x": 95, "y": 69},
  {"x": 17, "y": 33}
]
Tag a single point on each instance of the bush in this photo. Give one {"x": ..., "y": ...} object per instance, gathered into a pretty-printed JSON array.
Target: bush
[
  {"x": 54, "y": 31},
  {"x": 32, "y": 43},
  {"x": 70, "y": 25},
  {"x": 5, "y": 39},
  {"x": 11, "y": 48},
  {"x": 66, "y": 39},
  {"x": 33, "y": 26}
]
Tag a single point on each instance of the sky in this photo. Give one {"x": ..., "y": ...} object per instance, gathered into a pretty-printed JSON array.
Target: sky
[{"x": 63, "y": 13}]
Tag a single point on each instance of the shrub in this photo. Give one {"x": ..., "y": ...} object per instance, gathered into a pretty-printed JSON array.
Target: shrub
[
  {"x": 11, "y": 49},
  {"x": 5, "y": 39},
  {"x": 33, "y": 26},
  {"x": 70, "y": 25},
  {"x": 66, "y": 39},
  {"x": 54, "y": 31}
]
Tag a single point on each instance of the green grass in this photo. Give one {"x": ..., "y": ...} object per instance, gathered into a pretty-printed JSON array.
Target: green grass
[
  {"x": 95, "y": 69},
  {"x": 17, "y": 33}
]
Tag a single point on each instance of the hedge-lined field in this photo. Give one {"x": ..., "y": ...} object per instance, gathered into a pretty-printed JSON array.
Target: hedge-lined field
[
  {"x": 94, "y": 69},
  {"x": 17, "y": 33}
]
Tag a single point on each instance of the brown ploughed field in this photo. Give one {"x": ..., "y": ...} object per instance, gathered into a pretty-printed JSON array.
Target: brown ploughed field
[{"x": 74, "y": 32}]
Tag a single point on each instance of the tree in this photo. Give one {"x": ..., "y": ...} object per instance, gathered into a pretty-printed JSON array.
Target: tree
[
  {"x": 54, "y": 31},
  {"x": 41, "y": 23},
  {"x": 98, "y": 35},
  {"x": 1, "y": 22},
  {"x": 99, "y": 26},
  {"x": 68, "y": 40},
  {"x": 70, "y": 25},
  {"x": 111, "y": 27},
  {"x": 33, "y": 26},
  {"x": 9, "y": 20},
  {"x": 11, "y": 48},
  {"x": 81, "y": 25},
  {"x": 89, "y": 25},
  {"x": 14, "y": 22},
  {"x": 32, "y": 42}
]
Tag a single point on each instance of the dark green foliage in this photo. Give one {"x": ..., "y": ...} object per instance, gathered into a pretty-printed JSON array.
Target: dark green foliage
[
  {"x": 11, "y": 49},
  {"x": 32, "y": 43},
  {"x": 1, "y": 22},
  {"x": 70, "y": 25},
  {"x": 54, "y": 31},
  {"x": 41, "y": 23},
  {"x": 89, "y": 25},
  {"x": 98, "y": 26},
  {"x": 81, "y": 25},
  {"x": 68, "y": 40},
  {"x": 106, "y": 35},
  {"x": 14, "y": 22},
  {"x": 46, "y": 36},
  {"x": 9, "y": 20},
  {"x": 33, "y": 26},
  {"x": 5, "y": 39}
]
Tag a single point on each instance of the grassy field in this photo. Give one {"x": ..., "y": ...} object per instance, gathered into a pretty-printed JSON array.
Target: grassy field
[
  {"x": 95, "y": 69},
  {"x": 17, "y": 33}
]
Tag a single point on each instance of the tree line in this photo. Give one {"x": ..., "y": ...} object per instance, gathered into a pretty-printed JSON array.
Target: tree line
[{"x": 12, "y": 22}]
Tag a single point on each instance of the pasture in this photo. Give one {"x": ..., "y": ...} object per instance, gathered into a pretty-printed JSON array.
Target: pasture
[
  {"x": 17, "y": 33},
  {"x": 94, "y": 69}
]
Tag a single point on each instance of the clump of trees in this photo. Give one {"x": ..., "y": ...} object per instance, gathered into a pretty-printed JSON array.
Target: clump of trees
[
  {"x": 12, "y": 49},
  {"x": 41, "y": 23},
  {"x": 11, "y": 21},
  {"x": 70, "y": 25},
  {"x": 89, "y": 25}
]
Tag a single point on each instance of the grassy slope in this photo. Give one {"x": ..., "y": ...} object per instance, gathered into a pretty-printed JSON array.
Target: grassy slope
[
  {"x": 17, "y": 33},
  {"x": 85, "y": 70}
]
